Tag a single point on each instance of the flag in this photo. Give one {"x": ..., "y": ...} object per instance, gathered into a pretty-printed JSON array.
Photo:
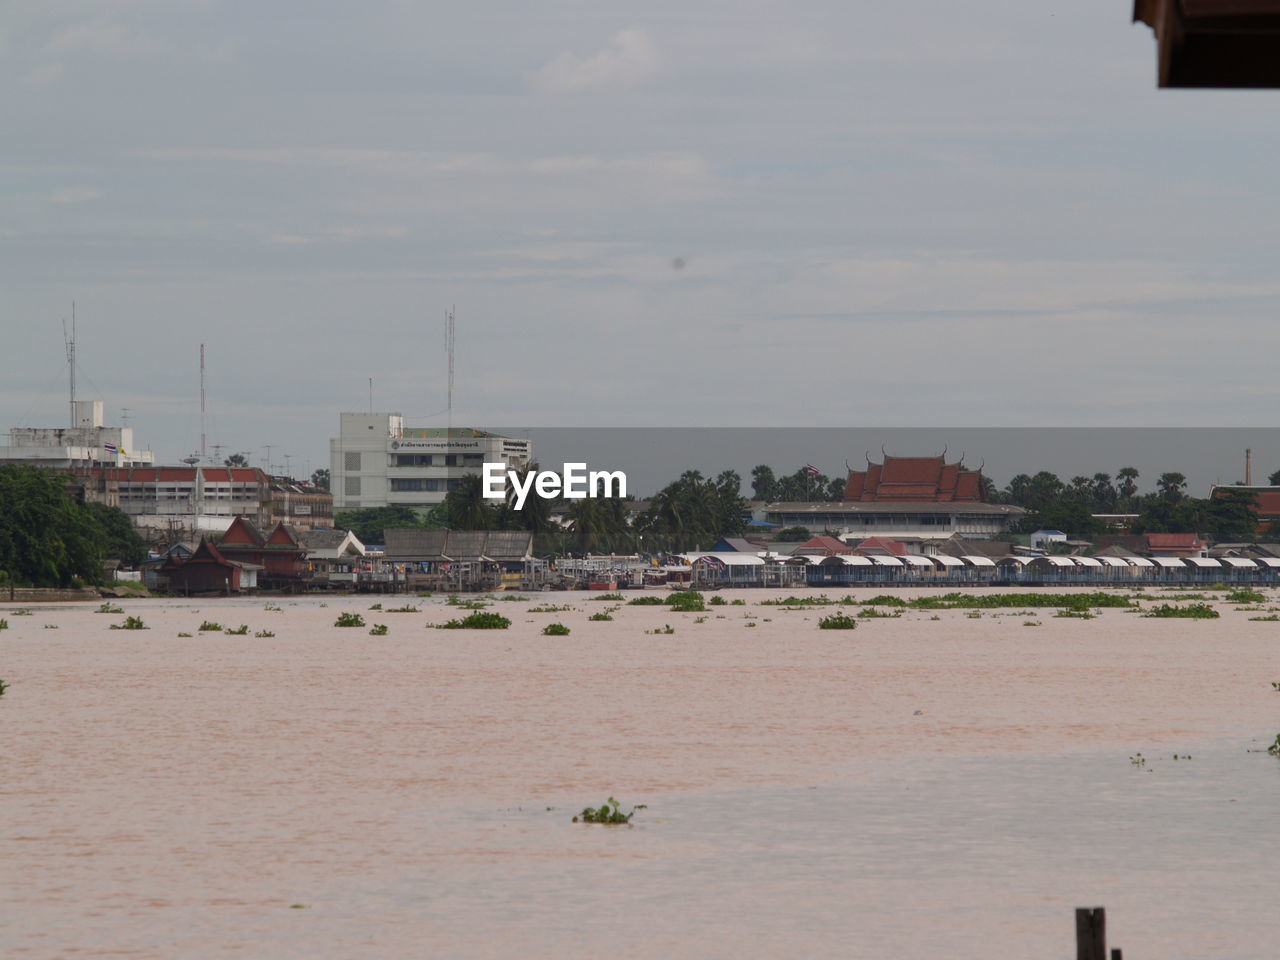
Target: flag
[
  {"x": 811, "y": 470},
  {"x": 110, "y": 448}
]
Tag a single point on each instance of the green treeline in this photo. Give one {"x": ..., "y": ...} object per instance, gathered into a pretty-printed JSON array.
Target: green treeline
[
  {"x": 1069, "y": 506},
  {"x": 49, "y": 537}
]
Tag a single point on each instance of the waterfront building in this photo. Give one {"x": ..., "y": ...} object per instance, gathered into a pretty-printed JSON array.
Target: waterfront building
[
  {"x": 376, "y": 461},
  {"x": 78, "y": 448}
]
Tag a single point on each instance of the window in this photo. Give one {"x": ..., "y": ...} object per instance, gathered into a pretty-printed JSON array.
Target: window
[
  {"x": 351, "y": 461},
  {"x": 351, "y": 485}
]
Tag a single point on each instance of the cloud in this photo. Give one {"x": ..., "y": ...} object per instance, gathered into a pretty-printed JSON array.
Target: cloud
[
  {"x": 42, "y": 75},
  {"x": 69, "y": 195},
  {"x": 630, "y": 58},
  {"x": 103, "y": 39}
]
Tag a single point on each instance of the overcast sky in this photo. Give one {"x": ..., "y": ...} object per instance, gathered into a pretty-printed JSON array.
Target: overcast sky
[{"x": 698, "y": 212}]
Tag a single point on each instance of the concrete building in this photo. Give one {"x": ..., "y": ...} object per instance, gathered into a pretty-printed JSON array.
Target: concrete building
[
  {"x": 376, "y": 461},
  {"x": 168, "y": 503},
  {"x": 75, "y": 449}
]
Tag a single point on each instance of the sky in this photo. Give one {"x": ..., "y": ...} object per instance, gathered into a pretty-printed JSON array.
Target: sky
[{"x": 703, "y": 213}]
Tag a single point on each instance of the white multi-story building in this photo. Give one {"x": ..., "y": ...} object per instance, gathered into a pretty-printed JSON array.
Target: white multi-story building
[
  {"x": 87, "y": 444},
  {"x": 376, "y": 461}
]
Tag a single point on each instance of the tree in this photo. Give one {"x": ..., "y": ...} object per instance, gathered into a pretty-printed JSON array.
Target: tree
[
  {"x": 369, "y": 523},
  {"x": 787, "y": 534},
  {"x": 1231, "y": 516},
  {"x": 1128, "y": 488},
  {"x": 120, "y": 537},
  {"x": 321, "y": 478},
  {"x": 764, "y": 486},
  {"x": 48, "y": 538},
  {"x": 1172, "y": 486},
  {"x": 1274, "y": 479},
  {"x": 237, "y": 460}
]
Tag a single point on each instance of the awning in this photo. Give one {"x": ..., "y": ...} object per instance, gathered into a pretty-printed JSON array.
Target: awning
[
  {"x": 1269, "y": 561},
  {"x": 1138, "y": 561},
  {"x": 913, "y": 561},
  {"x": 1238, "y": 562},
  {"x": 886, "y": 561},
  {"x": 1086, "y": 561},
  {"x": 731, "y": 559},
  {"x": 1168, "y": 562},
  {"x": 1112, "y": 561},
  {"x": 1058, "y": 561},
  {"x": 1203, "y": 562},
  {"x": 1020, "y": 561},
  {"x": 979, "y": 561},
  {"x": 942, "y": 560},
  {"x": 846, "y": 560}
]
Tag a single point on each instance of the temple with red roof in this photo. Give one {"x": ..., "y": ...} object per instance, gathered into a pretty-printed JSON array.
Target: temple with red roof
[{"x": 915, "y": 480}]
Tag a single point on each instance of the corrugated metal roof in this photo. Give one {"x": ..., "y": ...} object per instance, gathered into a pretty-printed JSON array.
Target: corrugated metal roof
[{"x": 979, "y": 561}]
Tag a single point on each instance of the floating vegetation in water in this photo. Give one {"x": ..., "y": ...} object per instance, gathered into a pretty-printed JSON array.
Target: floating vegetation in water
[
  {"x": 181, "y": 635},
  {"x": 793, "y": 601},
  {"x": 608, "y": 596},
  {"x": 648, "y": 600},
  {"x": 1074, "y": 614},
  {"x": 20, "y": 612},
  {"x": 1138, "y": 760},
  {"x": 261, "y": 634},
  {"x": 513, "y": 598},
  {"x": 974, "y": 614},
  {"x": 1270, "y": 618},
  {"x": 602, "y": 615},
  {"x": 608, "y": 812},
  {"x": 1192, "y": 611},
  {"x": 473, "y": 603},
  {"x": 407, "y": 608},
  {"x": 871, "y": 613},
  {"x": 1072, "y": 601},
  {"x": 884, "y": 600},
  {"x": 837, "y": 621},
  {"x": 4, "y": 624},
  {"x": 272, "y": 608},
  {"x": 378, "y": 630},
  {"x": 717, "y": 601},
  {"x": 699, "y": 619},
  {"x": 349, "y": 620},
  {"x": 239, "y": 631},
  {"x": 4, "y": 685},
  {"x": 477, "y": 621},
  {"x": 51, "y": 626},
  {"x": 376, "y": 606},
  {"x": 555, "y": 630},
  {"x": 1031, "y": 623},
  {"x": 210, "y": 625},
  {"x": 738, "y": 603},
  {"x": 551, "y": 609},
  {"x": 686, "y": 601},
  {"x": 109, "y": 607},
  {"x": 1274, "y": 749},
  {"x": 130, "y": 623},
  {"x": 666, "y": 629},
  {"x": 1245, "y": 595}
]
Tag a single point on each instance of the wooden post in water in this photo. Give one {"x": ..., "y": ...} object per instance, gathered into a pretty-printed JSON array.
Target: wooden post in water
[{"x": 1091, "y": 933}]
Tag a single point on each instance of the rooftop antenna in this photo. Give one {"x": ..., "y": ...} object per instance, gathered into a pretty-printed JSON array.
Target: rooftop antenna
[
  {"x": 1248, "y": 467},
  {"x": 70, "y": 344},
  {"x": 448, "y": 346},
  {"x": 203, "y": 452},
  {"x": 371, "y": 395}
]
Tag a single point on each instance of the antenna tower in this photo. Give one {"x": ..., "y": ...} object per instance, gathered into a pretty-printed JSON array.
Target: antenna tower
[
  {"x": 70, "y": 344},
  {"x": 448, "y": 346},
  {"x": 203, "y": 453}
]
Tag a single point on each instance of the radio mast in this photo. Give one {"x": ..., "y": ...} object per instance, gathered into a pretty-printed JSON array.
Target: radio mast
[
  {"x": 203, "y": 452},
  {"x": 448, "y": 346},
  {"x": 70, "y": 344}
]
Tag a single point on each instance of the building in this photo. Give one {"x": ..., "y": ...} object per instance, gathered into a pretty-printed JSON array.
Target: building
[
  {"x": 376, "y": 461},
  {"x": 1265, "y": 502},
  {"x": 1214, "y": 43},
  {"x": 298, "y": 503},
  {"x": 76, "y": 449},
  {"x": 171, "y": 502},
  {"x": 915, "y": 480}
]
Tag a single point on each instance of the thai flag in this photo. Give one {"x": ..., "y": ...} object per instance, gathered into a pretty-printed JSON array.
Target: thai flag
[
  {"x": 811, "y": 470},
  {"x": 111, "y": 448}
]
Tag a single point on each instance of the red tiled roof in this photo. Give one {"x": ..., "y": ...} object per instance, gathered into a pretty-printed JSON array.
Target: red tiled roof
[
  {"x": 828, "y": 546},
  {"x": 928, "y": 479},
  {"x": 887, "y": 544},
  {"x": 1173, "y": 541}
]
